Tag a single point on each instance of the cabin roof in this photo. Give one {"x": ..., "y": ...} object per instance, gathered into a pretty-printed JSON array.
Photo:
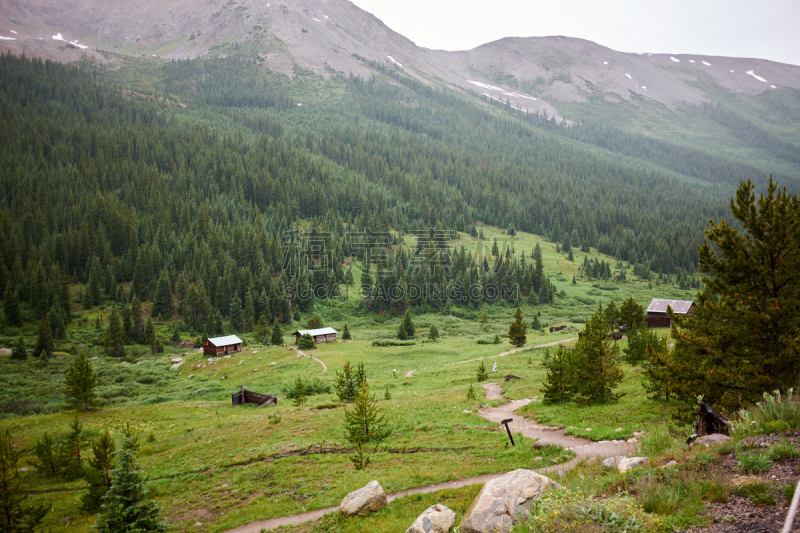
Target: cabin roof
[
  {"x": 225, "y": 341},
  {"x": 316, "y": 332},
  {"x": 680, "y": 307}
]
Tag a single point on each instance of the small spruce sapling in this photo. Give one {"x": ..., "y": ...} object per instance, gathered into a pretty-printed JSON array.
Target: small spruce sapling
[
  {"x": 14, "y": 517},
  {"x": 346, "y": 333},
  {"x": 98, "y": 475},
  {"x": 482, "y": 375},
  {"x": 433, "y": 334},
  {"x": 364, "y": 425},
  {"x": 79, "y": 384},
  {"x": 126, "y": 506},
  {"x": 471, "y": 394}
]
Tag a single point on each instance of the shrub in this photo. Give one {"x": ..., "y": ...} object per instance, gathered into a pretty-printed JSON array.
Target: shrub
[
  {"x": 306, "y": 342},
  {"x": 660, "y": 499},
  {"x": 310, "y": 387},
  {"x": 392, "y": 342},
  {"x": 482, "y": 374},
  {"x": 713, "y": 491}
]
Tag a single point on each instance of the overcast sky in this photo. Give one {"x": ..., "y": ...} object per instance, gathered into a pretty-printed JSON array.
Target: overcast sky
[{"x": 767, "y": 29}]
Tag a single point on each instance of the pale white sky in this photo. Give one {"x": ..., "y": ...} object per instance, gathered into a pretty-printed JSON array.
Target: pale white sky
[{"x": 767, "y": 29}]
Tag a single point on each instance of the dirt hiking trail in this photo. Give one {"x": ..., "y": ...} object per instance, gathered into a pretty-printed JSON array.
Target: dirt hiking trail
[
  {"x": 300, "y": 352},
  {"x": 583, "y": 448}
]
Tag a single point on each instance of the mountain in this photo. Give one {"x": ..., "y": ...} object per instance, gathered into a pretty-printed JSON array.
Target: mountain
[{"x": 557, "y": 75}]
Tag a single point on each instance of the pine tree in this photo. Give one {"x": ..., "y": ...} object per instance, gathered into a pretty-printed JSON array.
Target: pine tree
[
  {"x": 236, "y": 314},
  {"x": 55, "y": 320},
  {"x": 344, "y": 384},
  {"x": 44, "y": 340},
  {"x": 79, "y": 384},
  {"x": 136, "y": 315},
  {"x": 162, "y": 301},
  {"x": 68, "y": 453},
  {"x": 11, "y": 308},
  {"x": 249, "y": 317},
  {"x": 658, "y": 376},
  {"x": 150, "y": 335},
  {"x": 98, "y": 475},
  {"x": 14, "y": 517},
  {"x": 346, "y": 333},
  {"x": 482, "y": 374},
  {"x": 558, "y": 386},
  {"x": 306, "y": 342},
  {"x": 471, "y": 394},
  {"x": 408, "y": 325},
  {"x": 126, "y": 506},
  {"x": 19, "y": 352},
  {"x": 261, "y": 330},
  {"x": 741, "y": 339},
  {"x": 401, "y": 332},
  {"x": 518, "y": 329},
  {"x": 631, "y": 314},
  {"x": 433, "y": 334},
  {"x": 114, "y": 338},
  {"x": 299, "y": 397},
  {"x": 364, "y": 425},
  {"x": 597, "y": 371},
  {"x": 46, "y": 456},
  {"x": 276, "y": 338}
]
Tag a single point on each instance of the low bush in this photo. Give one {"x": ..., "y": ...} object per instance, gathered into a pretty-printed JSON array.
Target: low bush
[
  {"x": 783, "y": 450},
  {"x": 757, "y": 491},
  {"x": 311, "y": 387},
  {"x": 392, "y": 342}
]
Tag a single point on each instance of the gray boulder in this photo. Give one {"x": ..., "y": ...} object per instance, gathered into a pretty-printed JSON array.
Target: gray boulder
[
  {"x": 503, "y": 500},
  {"x": 708, "y": 440},
  {"x": 436, "y": 519},
  {"x": 623, "y": 463},
  {"x": 363, "y": 501}
]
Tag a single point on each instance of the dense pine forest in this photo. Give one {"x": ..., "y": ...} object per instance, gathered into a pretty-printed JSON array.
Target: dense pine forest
[{"x": 225, "y": 200}]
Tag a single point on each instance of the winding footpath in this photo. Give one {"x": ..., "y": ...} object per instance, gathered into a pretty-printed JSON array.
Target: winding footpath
[
  {"x": 583, "y": 449},
  {"x": 301, "y": 352}
]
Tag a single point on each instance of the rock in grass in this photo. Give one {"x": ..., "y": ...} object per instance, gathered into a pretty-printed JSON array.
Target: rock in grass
[
  {"x": 590, "y": 462},
  {"x": 435, "y": 519},
  {"x": 364, "y": 501},
  {"x": 503, "y": 500},
  {"x": 708, "y": 440},
  {"x": 630, "y": 462}
]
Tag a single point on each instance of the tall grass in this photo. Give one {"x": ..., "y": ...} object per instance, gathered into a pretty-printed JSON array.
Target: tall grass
[{"x": 776, "y": 413}]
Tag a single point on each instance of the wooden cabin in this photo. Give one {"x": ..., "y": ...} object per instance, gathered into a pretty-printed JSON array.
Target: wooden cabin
[
  {"x": 657, "y": 316},
  {"x": 222, "y": 346},
  {"x": 319, "y": 335}
]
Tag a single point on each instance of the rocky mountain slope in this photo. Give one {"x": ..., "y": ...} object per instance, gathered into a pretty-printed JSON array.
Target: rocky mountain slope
[{"x": 330, "y": 36}]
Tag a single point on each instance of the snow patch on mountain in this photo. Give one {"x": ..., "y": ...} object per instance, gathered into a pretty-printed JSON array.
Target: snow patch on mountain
[
  {"x": 706, "y": 63},
  {"x": 7, "y": 38},
  {"x": 483, "y": 85},
  {"x": 759, "y": 78},
  {"x": 675, "y": 59},
  {"x": 691, "y": 61},
  {"x": 629, "y": 76},
  {"x": 395, "y": 62},
  {"x": 58, "y": 37}
]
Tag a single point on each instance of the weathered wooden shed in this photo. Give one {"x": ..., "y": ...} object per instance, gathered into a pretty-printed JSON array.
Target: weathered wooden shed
[
  {"x": 657, "y": 316},
  {"x": 222, "y": 345},
  {"x": 319, "y": 335}
]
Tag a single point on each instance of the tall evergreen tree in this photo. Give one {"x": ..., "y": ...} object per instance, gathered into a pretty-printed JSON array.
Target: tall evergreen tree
[
  {"x": 597, "y": 371},
  {"x": 741, "y": 339},
  {"x": 98, "y": 475},
  {"x": 150, "y": 335},
  {"x": 44, "y": 340},
  {"x": 364, "y": 424},
  {"x": 408, "y": 325},
  {"x": 114, "y": 338},
  {"x": 517, "y": 331},
  {"x": 126, "y": 505},
  {"x": 79, "y": 384},
  {"x": 19, "y": 352},
  {"x": 11, "y": 308},
  {"x": 276, "y": 338},
  {"x": 162, "y": 301},
  {"x": 236, "y": 313},
  {"x": 14, "y": 516},
  {"x": 559, "y": 383}
]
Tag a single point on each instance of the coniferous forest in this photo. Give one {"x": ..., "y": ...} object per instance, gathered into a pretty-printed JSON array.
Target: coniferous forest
[{"x": 106, "y": 186}]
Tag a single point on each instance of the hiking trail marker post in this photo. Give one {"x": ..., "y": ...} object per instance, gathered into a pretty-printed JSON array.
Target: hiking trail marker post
[{"x": 506, "y": 422}]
